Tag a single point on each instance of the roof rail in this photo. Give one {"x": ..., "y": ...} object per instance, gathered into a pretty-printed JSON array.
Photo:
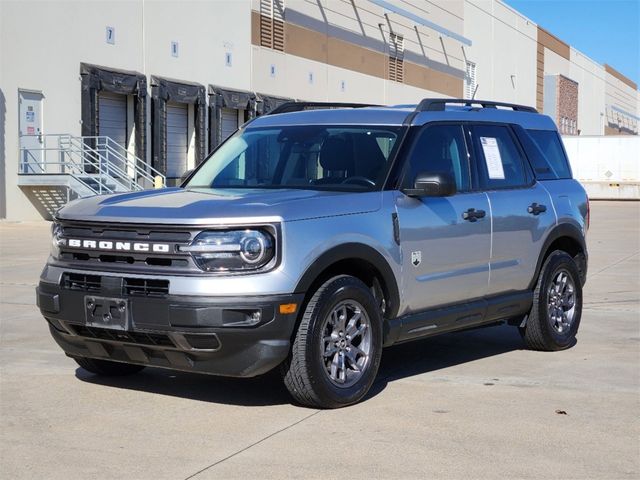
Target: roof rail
[
  {"x": 299, "y": 106},
  {"x": 439, "y": 104}
]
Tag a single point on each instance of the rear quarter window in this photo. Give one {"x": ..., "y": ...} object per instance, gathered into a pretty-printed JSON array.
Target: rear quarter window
[{"x": 549, "y": 143}]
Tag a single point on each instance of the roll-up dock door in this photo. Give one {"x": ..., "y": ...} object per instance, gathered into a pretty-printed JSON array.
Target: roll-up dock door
[
  {"x": 112, "y": 123},
  {"x": 228, "y": 109},
  {"x": 112, "y": 117},
  {"x": 107, "y": 94},
  {"x": 229, "y": 122},
  {"x": 178, "y": 126},
  {"x": 177, "y": 138}
]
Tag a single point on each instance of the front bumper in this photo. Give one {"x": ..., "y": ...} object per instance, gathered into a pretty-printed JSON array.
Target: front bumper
[{"x": 190, "y": 333}]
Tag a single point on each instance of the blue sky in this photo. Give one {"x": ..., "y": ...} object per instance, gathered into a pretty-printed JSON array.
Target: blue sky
[{"x": 608, "y": 31}]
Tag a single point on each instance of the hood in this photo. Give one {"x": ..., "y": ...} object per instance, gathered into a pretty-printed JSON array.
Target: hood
[{"x": 213, "y": 206}]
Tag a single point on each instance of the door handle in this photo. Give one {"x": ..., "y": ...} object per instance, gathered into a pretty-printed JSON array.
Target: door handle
[
  {"x": 536, "y": 209},
  {"x": 473, "y": 215}
]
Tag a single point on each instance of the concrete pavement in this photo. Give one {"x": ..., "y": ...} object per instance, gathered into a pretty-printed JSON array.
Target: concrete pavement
[{"x": 465, "y": 405}]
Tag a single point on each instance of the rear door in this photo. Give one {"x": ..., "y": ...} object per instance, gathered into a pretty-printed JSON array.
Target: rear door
[
  {"x": 521, "y": 210},
  {"x": 445, "y": 252}
]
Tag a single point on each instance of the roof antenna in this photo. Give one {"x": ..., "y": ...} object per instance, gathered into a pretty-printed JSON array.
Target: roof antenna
[{"x": 474, "y": 91}]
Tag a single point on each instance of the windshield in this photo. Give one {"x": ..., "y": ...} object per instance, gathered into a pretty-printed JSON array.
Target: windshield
[{"x": 310, "y": 157}]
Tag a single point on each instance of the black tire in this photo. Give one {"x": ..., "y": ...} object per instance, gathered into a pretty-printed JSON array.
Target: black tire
[
  {"x": 538, "y": 332},
  {"x": 107, "y": 368},
  {"x": 304, "y": 372}
]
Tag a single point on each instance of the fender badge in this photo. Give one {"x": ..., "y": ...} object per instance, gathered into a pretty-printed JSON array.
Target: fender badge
[{"x": 416, "y": 258}]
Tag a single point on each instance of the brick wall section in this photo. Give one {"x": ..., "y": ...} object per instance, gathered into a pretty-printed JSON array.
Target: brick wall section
[
  {"x": 540, "y": 78},
  {"x": 567, "y": 107},
  {"x": 553, "y": 43}
]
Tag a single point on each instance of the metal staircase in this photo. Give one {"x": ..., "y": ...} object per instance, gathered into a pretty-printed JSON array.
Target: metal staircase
[{"x": 64, "y": 167}]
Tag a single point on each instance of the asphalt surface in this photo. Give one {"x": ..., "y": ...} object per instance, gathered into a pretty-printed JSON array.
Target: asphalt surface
[{"x": 467, "y": 405}]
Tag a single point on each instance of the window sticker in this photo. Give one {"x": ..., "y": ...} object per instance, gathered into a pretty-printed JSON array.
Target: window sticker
[{"x": 492, "y": 157}]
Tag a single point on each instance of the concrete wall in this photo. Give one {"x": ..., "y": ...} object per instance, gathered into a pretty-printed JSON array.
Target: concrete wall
[
  {"x": 591, "y": 86},
  {"x": 338, "y": 51},
  {"x": 620, "y": 94},
  {"x": 504, "y": 51}
]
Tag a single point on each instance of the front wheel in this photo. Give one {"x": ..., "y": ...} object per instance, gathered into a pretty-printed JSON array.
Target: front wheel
[
  {"x": 337, "y": 349},
  {"x": 557, "y": 305}
]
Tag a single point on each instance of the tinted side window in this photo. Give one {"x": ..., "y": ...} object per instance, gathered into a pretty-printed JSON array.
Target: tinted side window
[
  {"x": 499, "y": 160},
  {"x": 548, "y": 142},
  {"x": 440, "y": 148}
]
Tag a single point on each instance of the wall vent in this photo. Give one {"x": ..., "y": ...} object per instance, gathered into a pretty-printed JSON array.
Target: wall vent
[
  {"x": 470, "y": 80},
  {"x": 396, "y": 57},
  {"x": 272, "y": 24}
]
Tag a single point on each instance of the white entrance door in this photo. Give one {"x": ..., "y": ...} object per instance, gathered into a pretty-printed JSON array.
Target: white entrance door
[
  {"x": 229, "y": 122},
  {"x": 177, "y": 139},
  {"x": 30, "y": 126}
]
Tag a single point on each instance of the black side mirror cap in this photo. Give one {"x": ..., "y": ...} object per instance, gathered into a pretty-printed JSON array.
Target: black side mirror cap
[{"x": 432, "y": 184}]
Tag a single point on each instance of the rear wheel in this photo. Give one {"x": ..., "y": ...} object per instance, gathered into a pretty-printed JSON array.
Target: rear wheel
[
  {"x": 557, "y": 305},
  {"x": 337, "y": 349},
  {"x": 107, "y": 368}
]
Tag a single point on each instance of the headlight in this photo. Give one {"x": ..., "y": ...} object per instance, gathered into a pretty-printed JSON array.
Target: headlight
[
  {"x": 56, "y": 239},
  {"x": 234, "y": 250}
]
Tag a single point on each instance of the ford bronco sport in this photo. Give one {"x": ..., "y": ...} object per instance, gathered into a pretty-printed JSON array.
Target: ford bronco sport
[{"x": 317, "y": 235}]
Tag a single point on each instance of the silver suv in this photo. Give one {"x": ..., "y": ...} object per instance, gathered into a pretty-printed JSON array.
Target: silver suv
[{"x": 321, "y": 233}]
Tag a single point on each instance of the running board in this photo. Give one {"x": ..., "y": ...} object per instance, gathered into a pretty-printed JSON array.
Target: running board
[{"x": 456, "y": 317}]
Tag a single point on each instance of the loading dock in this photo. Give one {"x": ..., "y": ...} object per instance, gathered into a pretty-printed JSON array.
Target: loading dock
[
  {"x": 266, "y": 103},
  {"x": 113, "y": 105},
  {"x": 228, "y": 109},
  {"x": 178, "y": 126}
]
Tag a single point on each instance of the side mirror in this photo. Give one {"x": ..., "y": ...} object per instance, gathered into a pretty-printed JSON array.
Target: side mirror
[
  {"x": 186, "y": 175},
  {"x": 432, "y": 184}
]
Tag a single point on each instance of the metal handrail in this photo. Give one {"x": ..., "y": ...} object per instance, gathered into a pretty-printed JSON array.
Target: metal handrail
[
  {"x": 147, "y": 172},
  {"x": 102, "y": 162},
  {"x": 97, "y": 156}
]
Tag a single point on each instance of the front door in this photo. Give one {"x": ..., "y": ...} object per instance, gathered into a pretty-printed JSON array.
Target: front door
[
  {"x": 30, "y": 132},
  {"x": 445, "y": 241}
]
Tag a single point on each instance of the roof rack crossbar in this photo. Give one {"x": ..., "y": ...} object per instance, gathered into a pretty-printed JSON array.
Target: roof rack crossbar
[
  {"x": 299, "y": 106},
  {"x": 439, "y": 104}
]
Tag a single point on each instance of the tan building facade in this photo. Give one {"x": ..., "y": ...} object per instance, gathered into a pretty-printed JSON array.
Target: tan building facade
[{"x": 165, "y": 82}]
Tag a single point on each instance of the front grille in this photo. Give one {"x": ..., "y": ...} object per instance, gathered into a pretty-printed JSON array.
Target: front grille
[
  {"x": 146, "y": 287},
  {"x": 82, "y": 282},
  {"x": 125, "y": 260},
  {"x": 140, "y": 338}
]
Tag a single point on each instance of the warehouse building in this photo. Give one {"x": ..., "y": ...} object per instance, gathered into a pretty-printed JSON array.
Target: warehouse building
[{"x": 99, "y": 96}]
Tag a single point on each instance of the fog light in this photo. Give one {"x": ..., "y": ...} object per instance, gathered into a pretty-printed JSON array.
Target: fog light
[{"x": 241, "y": 318}]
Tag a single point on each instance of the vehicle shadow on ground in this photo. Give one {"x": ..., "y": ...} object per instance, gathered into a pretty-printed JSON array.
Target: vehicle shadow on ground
[
  {"x": 398, "y": 362},
  {"x": 444, "y": 351}
]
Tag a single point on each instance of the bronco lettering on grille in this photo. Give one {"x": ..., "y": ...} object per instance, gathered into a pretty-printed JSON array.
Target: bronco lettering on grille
[{"x": 118, "y": 246}]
